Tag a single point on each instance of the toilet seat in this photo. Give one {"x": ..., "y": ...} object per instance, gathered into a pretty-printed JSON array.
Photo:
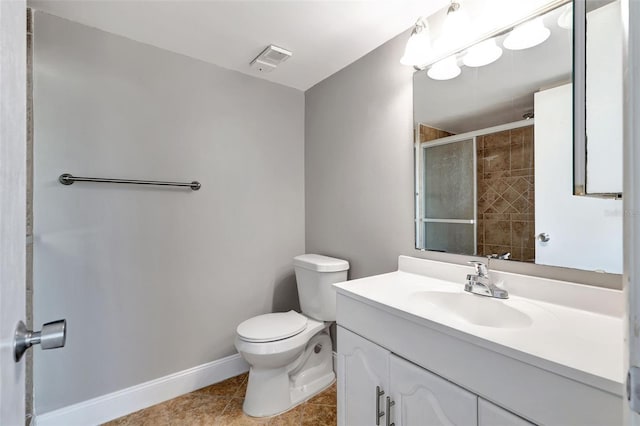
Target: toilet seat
[{"x": 272, "y": 327}]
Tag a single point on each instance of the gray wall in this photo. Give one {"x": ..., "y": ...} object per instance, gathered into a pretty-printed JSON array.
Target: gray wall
[
  {"x": 359, "y": 162},
  {"x": 154, "y": 281},
  {"x": 359, "y": 171}
]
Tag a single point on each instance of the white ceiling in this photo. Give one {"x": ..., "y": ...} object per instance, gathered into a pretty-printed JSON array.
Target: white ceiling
[{"x": 324, "y": 36}]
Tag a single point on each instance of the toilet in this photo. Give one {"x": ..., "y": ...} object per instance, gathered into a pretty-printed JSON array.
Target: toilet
[{"x": 290, "y": 354}]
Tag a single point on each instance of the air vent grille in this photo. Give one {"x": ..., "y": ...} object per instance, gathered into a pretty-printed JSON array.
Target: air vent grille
[{"x": 270, "y": 58}]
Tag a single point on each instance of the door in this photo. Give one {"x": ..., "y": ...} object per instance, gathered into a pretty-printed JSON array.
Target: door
[
  {"x": 631, "y": 13},
  {"x": 363, "y": 375},
  {"x": 423, "y": 398},
  {"x": 12, "y": 205},
  {"x": 578, "y": 228}
]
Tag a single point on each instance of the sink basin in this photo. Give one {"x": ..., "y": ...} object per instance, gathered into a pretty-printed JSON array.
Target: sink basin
[{"x": 474, "y": 309}]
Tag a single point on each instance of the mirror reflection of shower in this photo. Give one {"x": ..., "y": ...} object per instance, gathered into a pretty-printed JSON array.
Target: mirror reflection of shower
[
  {"x": 494, "y": 154},
  {"x": 478, "y": 192}
]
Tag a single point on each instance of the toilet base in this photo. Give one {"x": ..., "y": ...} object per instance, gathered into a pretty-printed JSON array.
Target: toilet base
[{"x": 274, "y": 391}]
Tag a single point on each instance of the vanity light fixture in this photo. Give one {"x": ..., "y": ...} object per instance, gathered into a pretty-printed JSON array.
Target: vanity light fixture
[
  {"x": 445, "y": 69},
  {"x": 482, "y": 54},
  {"x": 565, "y": 20},
  {"x": 418, "y": 46},
  {"x": 527, "y": 35}
]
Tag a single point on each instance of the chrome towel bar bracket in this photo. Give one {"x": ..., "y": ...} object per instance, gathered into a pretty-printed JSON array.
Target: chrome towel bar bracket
[{"x": 68, "y": 179}]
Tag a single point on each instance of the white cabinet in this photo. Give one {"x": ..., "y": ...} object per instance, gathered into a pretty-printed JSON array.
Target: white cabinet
[
  {"x": 492, "y": 415},
  {"x": 376, "y": 387},
  {"x": 363, "y": 376},
  {"x": 422, "y": 398}
]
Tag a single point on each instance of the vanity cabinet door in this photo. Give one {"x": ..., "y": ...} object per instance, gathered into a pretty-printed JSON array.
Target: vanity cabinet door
[
  {"x": 492, "y": 415},
  {"x": 363, "y": 367},
  {"x": 424, "y": 399}
]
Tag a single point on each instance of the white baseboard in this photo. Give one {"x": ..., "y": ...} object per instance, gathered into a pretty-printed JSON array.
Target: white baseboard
[{"x": 111, "y": 406}]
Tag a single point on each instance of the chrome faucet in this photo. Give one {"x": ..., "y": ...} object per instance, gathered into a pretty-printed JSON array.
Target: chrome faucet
[
  {"x": 503, "y": 256},
  {"x": 481, "y": 284}
]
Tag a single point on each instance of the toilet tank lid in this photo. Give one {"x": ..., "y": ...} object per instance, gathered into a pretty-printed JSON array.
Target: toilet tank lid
[{"x": 319, "y": 263}]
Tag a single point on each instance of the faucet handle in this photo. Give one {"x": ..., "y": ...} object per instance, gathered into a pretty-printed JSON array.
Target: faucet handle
[{"x": 481, "y": 268}]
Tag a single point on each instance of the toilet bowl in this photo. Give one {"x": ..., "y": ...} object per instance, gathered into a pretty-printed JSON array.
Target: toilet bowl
[
  {"x": 290, "y": 354},
  {"x": 275, "y": 383}
]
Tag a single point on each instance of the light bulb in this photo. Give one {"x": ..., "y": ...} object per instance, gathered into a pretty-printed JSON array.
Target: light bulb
[
  {"x": 417, "y": 50},
  {"x": 565, "y": 20},
  {"x": 527, "y": 35},
  {"x": 418, "y": 47},
  {"x": 482, "y": 54},
  {"x": 455, "y": 25},
  {"x": 445, "y": 69}
]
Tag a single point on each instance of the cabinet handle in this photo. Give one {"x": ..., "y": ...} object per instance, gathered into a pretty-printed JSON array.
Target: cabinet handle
[
  {"x": 390, "y": 404},
  {"x": 379, "y": 393}
]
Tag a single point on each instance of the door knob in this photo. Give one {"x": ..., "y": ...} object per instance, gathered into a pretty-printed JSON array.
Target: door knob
[
  {"x": 543, "y": 237},
  {"x": 53, "y": 335}
]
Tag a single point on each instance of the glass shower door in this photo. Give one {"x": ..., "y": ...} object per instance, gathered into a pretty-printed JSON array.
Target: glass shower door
[{"x": 448, "y": 224}]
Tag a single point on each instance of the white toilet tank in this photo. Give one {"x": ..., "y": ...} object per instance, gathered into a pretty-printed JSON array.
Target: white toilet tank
[{"x": 314, "y": 275}]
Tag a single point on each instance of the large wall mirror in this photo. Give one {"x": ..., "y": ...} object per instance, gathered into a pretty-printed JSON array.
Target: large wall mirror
[{"x": 494, "y": 136}]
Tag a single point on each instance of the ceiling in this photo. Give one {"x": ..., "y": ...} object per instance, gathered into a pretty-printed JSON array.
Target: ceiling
[{"x": 324, "y": 36}]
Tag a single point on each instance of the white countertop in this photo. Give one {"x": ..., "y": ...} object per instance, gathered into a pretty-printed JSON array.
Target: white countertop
[{"x": 564, "y": 337}]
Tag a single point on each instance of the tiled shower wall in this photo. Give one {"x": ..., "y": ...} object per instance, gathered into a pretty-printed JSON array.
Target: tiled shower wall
[
  {"x": 506, "y": 194},
  {"x": 431, "y": 133}
]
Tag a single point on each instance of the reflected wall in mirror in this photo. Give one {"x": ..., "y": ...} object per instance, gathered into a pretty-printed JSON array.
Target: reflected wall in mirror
[{"x": 494, "y": 152}]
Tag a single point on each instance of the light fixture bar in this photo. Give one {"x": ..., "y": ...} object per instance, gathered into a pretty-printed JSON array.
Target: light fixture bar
[{"x": 538, "y": 12}]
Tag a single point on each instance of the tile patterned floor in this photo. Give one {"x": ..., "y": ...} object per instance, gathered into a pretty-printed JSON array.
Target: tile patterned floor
[{"x": 221, "y": 405}]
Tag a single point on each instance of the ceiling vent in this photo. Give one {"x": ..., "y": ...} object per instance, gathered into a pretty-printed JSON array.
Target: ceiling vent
[{"x": 270, "y": 58}]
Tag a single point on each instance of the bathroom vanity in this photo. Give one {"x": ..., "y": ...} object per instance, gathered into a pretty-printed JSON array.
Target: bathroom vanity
[{"x": 414, "y": 348}]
